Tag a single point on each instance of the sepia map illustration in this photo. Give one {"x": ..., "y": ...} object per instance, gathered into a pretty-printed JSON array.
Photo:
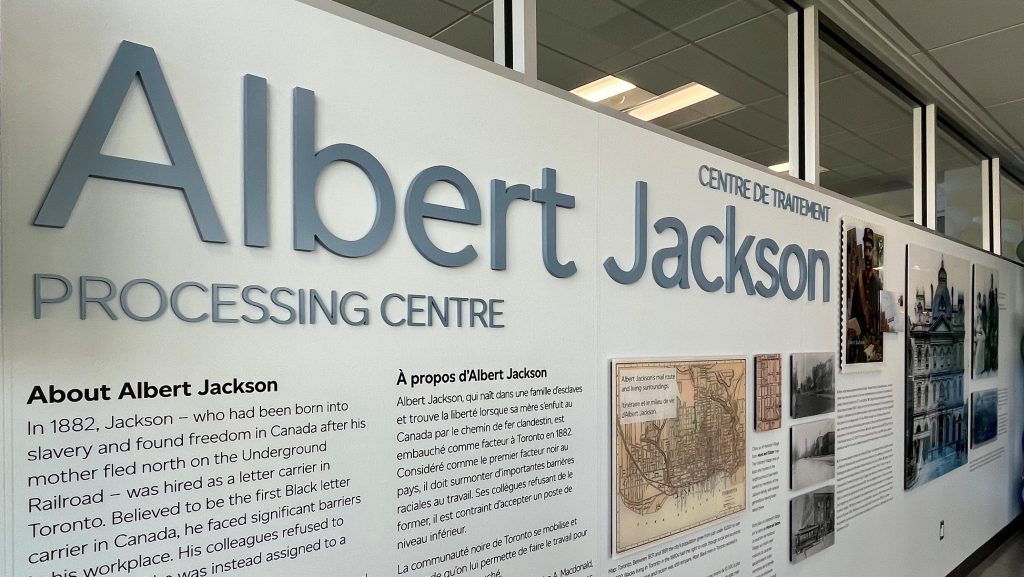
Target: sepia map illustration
[
  {"x": 679, "y": 448},
  {"x": 767, "y": 392}
]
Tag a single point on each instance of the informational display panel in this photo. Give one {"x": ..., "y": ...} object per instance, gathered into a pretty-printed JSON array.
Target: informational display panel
[
  {"x": 283, "y": 293},
  {"x": 680, "y": 447}
]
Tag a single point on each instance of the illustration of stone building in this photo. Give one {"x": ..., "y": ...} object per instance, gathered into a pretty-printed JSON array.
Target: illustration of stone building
[{"x": 936, "y": 411}]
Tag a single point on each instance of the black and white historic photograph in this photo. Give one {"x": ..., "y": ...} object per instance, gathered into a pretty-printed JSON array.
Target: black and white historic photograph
[
  {"x": 935, "y": 432},
  {"x": 812, "y": 384},
  {"x": 985, "y": 334},
  {"x": 812, "y": 523},
  {"x": 812, "y": 453},
  {"x": 984, "y": 416},
  {"x": 864, "y": 258}
]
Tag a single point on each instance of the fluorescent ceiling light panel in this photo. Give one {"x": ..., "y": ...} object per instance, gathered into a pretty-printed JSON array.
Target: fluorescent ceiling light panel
[
  {"x": 603, "y": 88},
  {"x": 672, "y": 101},
  {"x": 784, "y": 167}
]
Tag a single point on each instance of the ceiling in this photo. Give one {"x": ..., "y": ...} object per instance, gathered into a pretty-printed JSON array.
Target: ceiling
[
  {"x": 737, "y": 48},
  {"x": 958, "y": 54},
  {"x": 465, "y": 24},
  {"x": 962, "y": 55}
]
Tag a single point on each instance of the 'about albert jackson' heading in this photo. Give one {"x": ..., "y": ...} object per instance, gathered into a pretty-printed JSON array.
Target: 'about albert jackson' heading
[{"x": 144, "y": 390}]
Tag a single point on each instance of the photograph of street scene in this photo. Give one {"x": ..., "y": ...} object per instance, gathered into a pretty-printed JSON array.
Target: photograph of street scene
[
  {"x": 812, "y": 384},
  {"x": 812, "y": 523},
  {"x": 812, "y": 450}
]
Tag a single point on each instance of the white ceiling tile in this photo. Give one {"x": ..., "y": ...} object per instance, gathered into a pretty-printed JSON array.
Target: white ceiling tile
[
  {"x": 935, "y": 23},
  {"x": 425, "y": 16},
  {"x": 472, "y": 34},
  {"x": 1011, "y": 117},
  {"x": 985, "y": 66}
]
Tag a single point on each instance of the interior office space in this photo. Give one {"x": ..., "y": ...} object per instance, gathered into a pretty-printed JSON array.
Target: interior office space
[{"x": 515, "y": 287}]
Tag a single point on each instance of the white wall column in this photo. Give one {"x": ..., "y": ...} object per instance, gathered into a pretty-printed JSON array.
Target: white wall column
[
  {"x": 803, "y": 95},
  {"x": 919, "y": 159},
  {"x": 925, "y": 145},
  {"x": 794, "y": 88},
  {"x": 995, "y": 211},
  {"x": 515, "y": 35},
  {"x": 986, "y": 204}
]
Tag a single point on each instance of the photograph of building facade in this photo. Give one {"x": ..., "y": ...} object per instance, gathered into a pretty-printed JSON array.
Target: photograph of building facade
[{"x": 936, "y": 415}]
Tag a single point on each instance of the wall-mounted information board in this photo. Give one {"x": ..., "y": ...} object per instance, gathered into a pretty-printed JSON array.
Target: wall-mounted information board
[{"x": 284, "y": 294}]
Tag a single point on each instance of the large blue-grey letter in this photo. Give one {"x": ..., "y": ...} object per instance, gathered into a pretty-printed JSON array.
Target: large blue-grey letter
[{"x": 85, "y": 160}]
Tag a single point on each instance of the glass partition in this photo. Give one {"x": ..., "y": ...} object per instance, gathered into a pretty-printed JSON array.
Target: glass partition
[
  {"x": 464, "y": 24},
  {"x": 867, "y": 134},
  {"x": 1011, "y": 193},
  {"x": 958, "y": 186},
  {"x": 714, "y": 71}
]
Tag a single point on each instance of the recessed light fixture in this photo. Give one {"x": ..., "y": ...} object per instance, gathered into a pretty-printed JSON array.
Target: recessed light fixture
[
  {"x": 784, "y": 167},
  {"x": 672, "y": 101},
  {"x": 603, "y": 88}
]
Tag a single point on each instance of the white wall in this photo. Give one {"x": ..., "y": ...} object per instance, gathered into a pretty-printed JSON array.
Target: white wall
[{"x": 412, "y": 108}]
